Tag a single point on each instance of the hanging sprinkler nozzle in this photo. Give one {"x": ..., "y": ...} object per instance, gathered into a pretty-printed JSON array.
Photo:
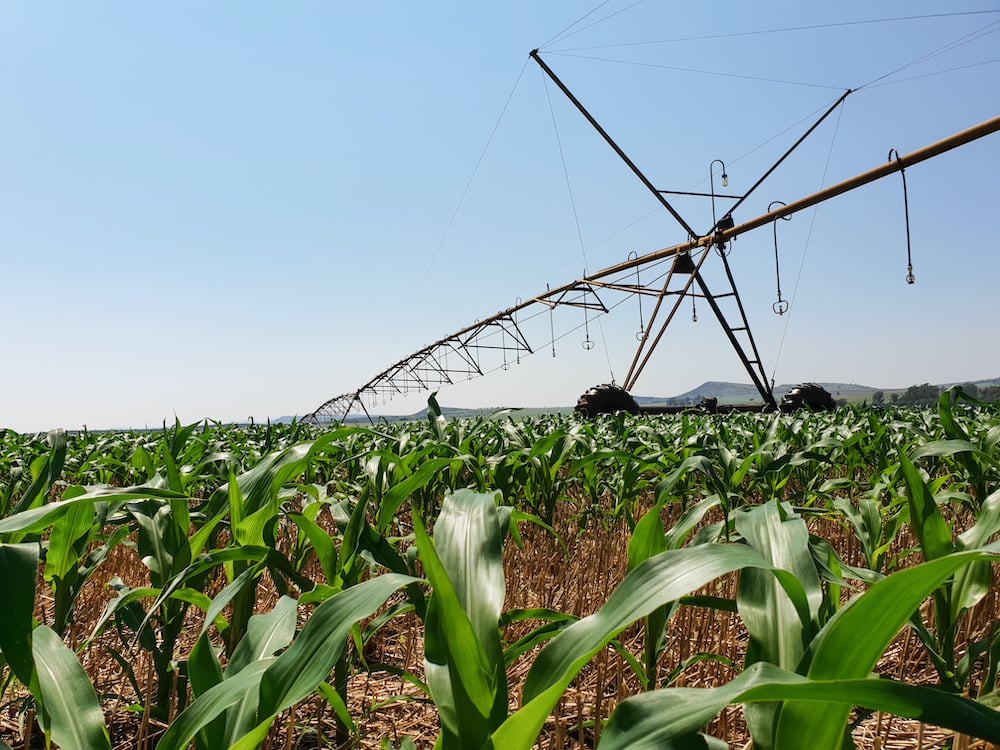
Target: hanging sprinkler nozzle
[
  {"x": 780, "y": 307},
  {"x": 910, "y": 278}
]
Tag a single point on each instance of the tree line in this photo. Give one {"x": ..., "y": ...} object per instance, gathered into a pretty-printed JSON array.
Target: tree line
[{"x": 927, "y": 395}]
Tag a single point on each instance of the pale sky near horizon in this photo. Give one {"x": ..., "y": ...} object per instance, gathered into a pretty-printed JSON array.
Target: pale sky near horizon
[{"x": 233, "y": 209}]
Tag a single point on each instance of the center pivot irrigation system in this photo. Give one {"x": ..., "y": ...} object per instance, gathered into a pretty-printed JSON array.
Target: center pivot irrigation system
[{"x": 668, "y": 276}]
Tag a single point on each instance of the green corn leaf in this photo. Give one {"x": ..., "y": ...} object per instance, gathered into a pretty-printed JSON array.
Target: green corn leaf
[
  {"x": 649, "y": 537},
  {"x": 124, "y": 605},
  {"x": 938, "y": 448},
  {"x": 175, "y": 587},
  {"x": 661, "y": 579},
  {"x": 538, "y": 635},
  {"x": 986, "y": 526},
  {"x": 284, "y": 680},
  {"x": 198, "y": 540},
  {"x": 928, "y": 524},
  {"x": 35, "y": 493},
  {"x": 744, "y": 466},
  {"x": 322, "y": 544},
  {"x": 352, "y": 537},
  {"x": 851, "y": 642},
  {"x": 865, "y": 532},
  {"x": 778, "y": 631},
  {"x": 174, "y": 481},
  {"x": 210, "y": 705},
  {"x": 234, "y": 498},
  {"x": 181, "y": 436},
  {"x": 204, "y": 673},
  {"x": 688, "y": 520},
  {"x": 665, "y": 718},
  {"x": 254, "y": 739},
  {"x": 973, "y": 582},
  {"x": 74, "y": 715},
  {"x": 462, "y": 671},
  {"x": 38, "y": 519},
  {"x": 266, "y": 634},
  {"x": 258, "y": 488},
  {"x": 435, "y": 417},
  {"x": 61, "y": 556},
  {"x": 947, "y": 416},
  {"x": 18, "y": 572},
  {"x": 156, "y": 543},
  {"x": 396, "y": 495},
  {"x": 224, "y": 597},
  {"x": 467, "y": 539},
  {"x": 45, "y": 472},
  {"x": 193, "y": 596},
  {"x": 204, "y": 669},
  {"x": 337, "y": 704},
  {"x": 308, "y": 661}
]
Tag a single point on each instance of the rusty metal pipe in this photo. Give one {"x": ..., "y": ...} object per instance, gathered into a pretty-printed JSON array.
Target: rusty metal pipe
[
  {"x": 927, "y": 152},
  {"x": 935, "y": 149}
]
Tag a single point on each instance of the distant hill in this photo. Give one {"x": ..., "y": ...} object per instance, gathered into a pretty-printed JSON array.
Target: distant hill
[
  {"x": 729, "y": 393},
  {"x": 989, "y": 381}
]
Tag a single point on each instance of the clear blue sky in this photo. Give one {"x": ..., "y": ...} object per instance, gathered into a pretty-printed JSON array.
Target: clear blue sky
[{"x": 232, "y": 209}]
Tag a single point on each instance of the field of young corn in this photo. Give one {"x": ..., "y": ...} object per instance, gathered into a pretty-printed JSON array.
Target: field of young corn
[{"x": 697, "y": 581}]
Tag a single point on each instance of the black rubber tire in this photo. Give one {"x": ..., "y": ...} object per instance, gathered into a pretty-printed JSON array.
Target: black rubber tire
[
  {"x": 709, "y": 404},
  {"x": 807, "y": 396},
  {"x": 606, "y": 399}
]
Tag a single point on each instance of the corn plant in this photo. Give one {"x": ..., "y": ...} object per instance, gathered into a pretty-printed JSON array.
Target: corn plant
[
  {"x": 180, "y": 564},
  {"x": 18, "y": 573},
  {"x": 43, "y": 470},
  {"x": 266, "y": 686},
  {"x": 361, "y": 547},
  {"x": 69, "y": 712},
  {"x": 971, "y": 583},
  {"x": 649, "y": 538},
  {"x": 166, "y": 550},
  {"x": 68, "y": 709},
  {"x": 539, "y": 467},
  {"x": 975, "y": 454},
  {"x": 75, "y": 548},
  {"x": 266, "y": 635}
]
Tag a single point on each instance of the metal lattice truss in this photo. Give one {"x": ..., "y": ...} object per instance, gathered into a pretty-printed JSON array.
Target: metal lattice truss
[
  {"x": 496, "y": 342},
  {"x": 668, "y": 275}
]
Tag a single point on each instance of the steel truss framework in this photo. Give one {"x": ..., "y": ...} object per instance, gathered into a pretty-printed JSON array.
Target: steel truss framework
[{"x": 492, "y": 343}]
